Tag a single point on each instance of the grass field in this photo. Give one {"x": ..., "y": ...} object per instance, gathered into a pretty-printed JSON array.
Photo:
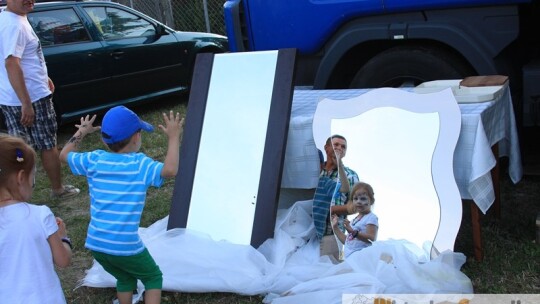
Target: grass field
[{"x": 511, "y": 264}]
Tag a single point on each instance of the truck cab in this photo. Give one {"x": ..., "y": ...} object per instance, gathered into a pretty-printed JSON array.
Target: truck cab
[{"x": 369, "y": 44}]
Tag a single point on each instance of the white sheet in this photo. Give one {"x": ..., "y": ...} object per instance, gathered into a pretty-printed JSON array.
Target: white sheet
[{"x": 288, "y": 269}]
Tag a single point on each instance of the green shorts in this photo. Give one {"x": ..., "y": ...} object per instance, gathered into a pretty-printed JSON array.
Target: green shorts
[{"x": 127, "y": 269}]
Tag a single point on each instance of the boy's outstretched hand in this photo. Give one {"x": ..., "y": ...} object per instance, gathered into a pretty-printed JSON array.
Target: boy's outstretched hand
[
  {"x": 174, "y": 125},
  {"x": 87, "y": 125},
  {"x": 84, "y": 128},
  {"x": 173, "y": 128}
]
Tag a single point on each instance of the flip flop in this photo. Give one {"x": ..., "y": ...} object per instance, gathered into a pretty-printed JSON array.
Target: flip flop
[{"x": 69, "y": 191}]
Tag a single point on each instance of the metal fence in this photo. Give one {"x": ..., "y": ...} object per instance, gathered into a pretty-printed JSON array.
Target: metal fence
[{"x": 184, "y": 15}]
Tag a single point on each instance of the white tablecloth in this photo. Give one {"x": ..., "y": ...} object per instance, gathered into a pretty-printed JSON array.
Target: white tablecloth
[{"x": 482, "y": 126}]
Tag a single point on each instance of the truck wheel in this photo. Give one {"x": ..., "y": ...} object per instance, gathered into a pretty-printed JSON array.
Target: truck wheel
[{"x": 408, "y": 67}]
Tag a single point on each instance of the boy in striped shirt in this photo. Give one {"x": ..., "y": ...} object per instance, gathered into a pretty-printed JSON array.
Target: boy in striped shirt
[{"x": 117, "y": 182}]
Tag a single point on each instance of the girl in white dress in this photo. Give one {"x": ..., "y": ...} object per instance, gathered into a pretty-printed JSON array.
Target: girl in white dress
[
  {"x": 362, "y": 231},
  {"x": 32, "y": 240}
]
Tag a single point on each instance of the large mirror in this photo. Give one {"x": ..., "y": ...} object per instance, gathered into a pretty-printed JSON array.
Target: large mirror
[
  {"x": 233, "y": 146},
  {"x": 402, "y": 144}
]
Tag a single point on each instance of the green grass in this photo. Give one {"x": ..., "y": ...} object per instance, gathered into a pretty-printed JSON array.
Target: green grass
[
  {"x": 511, "y": 264},
  {"x": 512, "y": 257}
]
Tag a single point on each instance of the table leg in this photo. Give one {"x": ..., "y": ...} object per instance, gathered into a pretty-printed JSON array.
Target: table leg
[
  {"x": 476, "y": 216},
  {"x": 496, "y": 182}
]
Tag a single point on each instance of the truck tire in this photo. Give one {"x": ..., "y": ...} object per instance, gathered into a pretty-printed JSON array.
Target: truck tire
[{"x": 408, "y": 66}]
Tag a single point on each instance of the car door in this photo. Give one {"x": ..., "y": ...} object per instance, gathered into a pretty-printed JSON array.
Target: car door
[
  {"x": 143, "y": 64},
  {"x": 76, "y": 61}
]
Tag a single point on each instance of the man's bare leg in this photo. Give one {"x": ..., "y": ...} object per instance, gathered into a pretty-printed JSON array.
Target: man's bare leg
[{"x": 51, "y": 164}]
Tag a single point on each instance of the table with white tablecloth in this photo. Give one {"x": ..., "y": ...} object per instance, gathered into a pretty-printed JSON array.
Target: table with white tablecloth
[{"x": 484, "y": 126}]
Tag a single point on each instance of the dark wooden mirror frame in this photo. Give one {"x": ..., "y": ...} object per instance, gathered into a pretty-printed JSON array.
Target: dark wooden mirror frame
[{"x": 274, "y": 149}]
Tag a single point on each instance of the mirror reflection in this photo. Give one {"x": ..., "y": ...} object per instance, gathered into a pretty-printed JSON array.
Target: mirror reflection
[
  {"x": 335, "y": 182},
  {"x": 224, "y": 197},
  {"x": 392, "y": 150},
  {"x": 395, "y": 149},
  {"x": 361, "y": 227}
]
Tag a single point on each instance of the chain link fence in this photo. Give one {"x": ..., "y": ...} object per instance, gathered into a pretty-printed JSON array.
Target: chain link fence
[{"x": 184, "y": 15}]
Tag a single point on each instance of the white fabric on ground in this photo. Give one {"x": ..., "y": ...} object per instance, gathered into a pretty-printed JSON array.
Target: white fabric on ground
[{"x": 288, "y": 269}]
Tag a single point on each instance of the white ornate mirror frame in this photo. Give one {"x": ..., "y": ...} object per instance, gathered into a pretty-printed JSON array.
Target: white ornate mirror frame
[{"x": 402, "y": 143}]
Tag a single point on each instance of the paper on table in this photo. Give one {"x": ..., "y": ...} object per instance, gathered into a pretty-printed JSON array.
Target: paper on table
[{"x": 462, "y": 93}]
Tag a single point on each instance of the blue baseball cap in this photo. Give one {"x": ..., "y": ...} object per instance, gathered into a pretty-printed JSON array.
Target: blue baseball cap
[{"x": 120, "y": 123}]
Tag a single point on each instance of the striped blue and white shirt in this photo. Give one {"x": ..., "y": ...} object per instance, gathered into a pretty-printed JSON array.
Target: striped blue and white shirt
[
  {"x": 327, "y": 194},
  {"x": 117, "y": 183}
]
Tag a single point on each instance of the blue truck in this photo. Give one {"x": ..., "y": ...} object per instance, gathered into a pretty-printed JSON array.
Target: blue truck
[{"x": 398, "y": 43}]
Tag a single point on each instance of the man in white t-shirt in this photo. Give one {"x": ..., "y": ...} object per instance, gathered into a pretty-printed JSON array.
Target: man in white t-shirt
[{"x": 26, "y": 91}]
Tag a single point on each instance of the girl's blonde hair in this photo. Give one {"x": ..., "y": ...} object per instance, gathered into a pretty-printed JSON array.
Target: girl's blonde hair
[
  {"x": 356, "y": 187},
  {"x": 15, "y": 155}
]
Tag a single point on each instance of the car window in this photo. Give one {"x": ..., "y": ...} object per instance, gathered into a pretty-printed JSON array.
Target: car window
[
  {"x": 58, "y": 27},
  {"x": 114, "y": 23}
]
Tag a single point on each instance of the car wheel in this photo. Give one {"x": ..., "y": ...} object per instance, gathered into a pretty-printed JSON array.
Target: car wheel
[{"x": 408, "y": 66}]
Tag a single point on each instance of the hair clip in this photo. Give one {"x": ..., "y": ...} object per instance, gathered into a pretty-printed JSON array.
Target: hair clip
[{"x": 19, "y": 154}]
